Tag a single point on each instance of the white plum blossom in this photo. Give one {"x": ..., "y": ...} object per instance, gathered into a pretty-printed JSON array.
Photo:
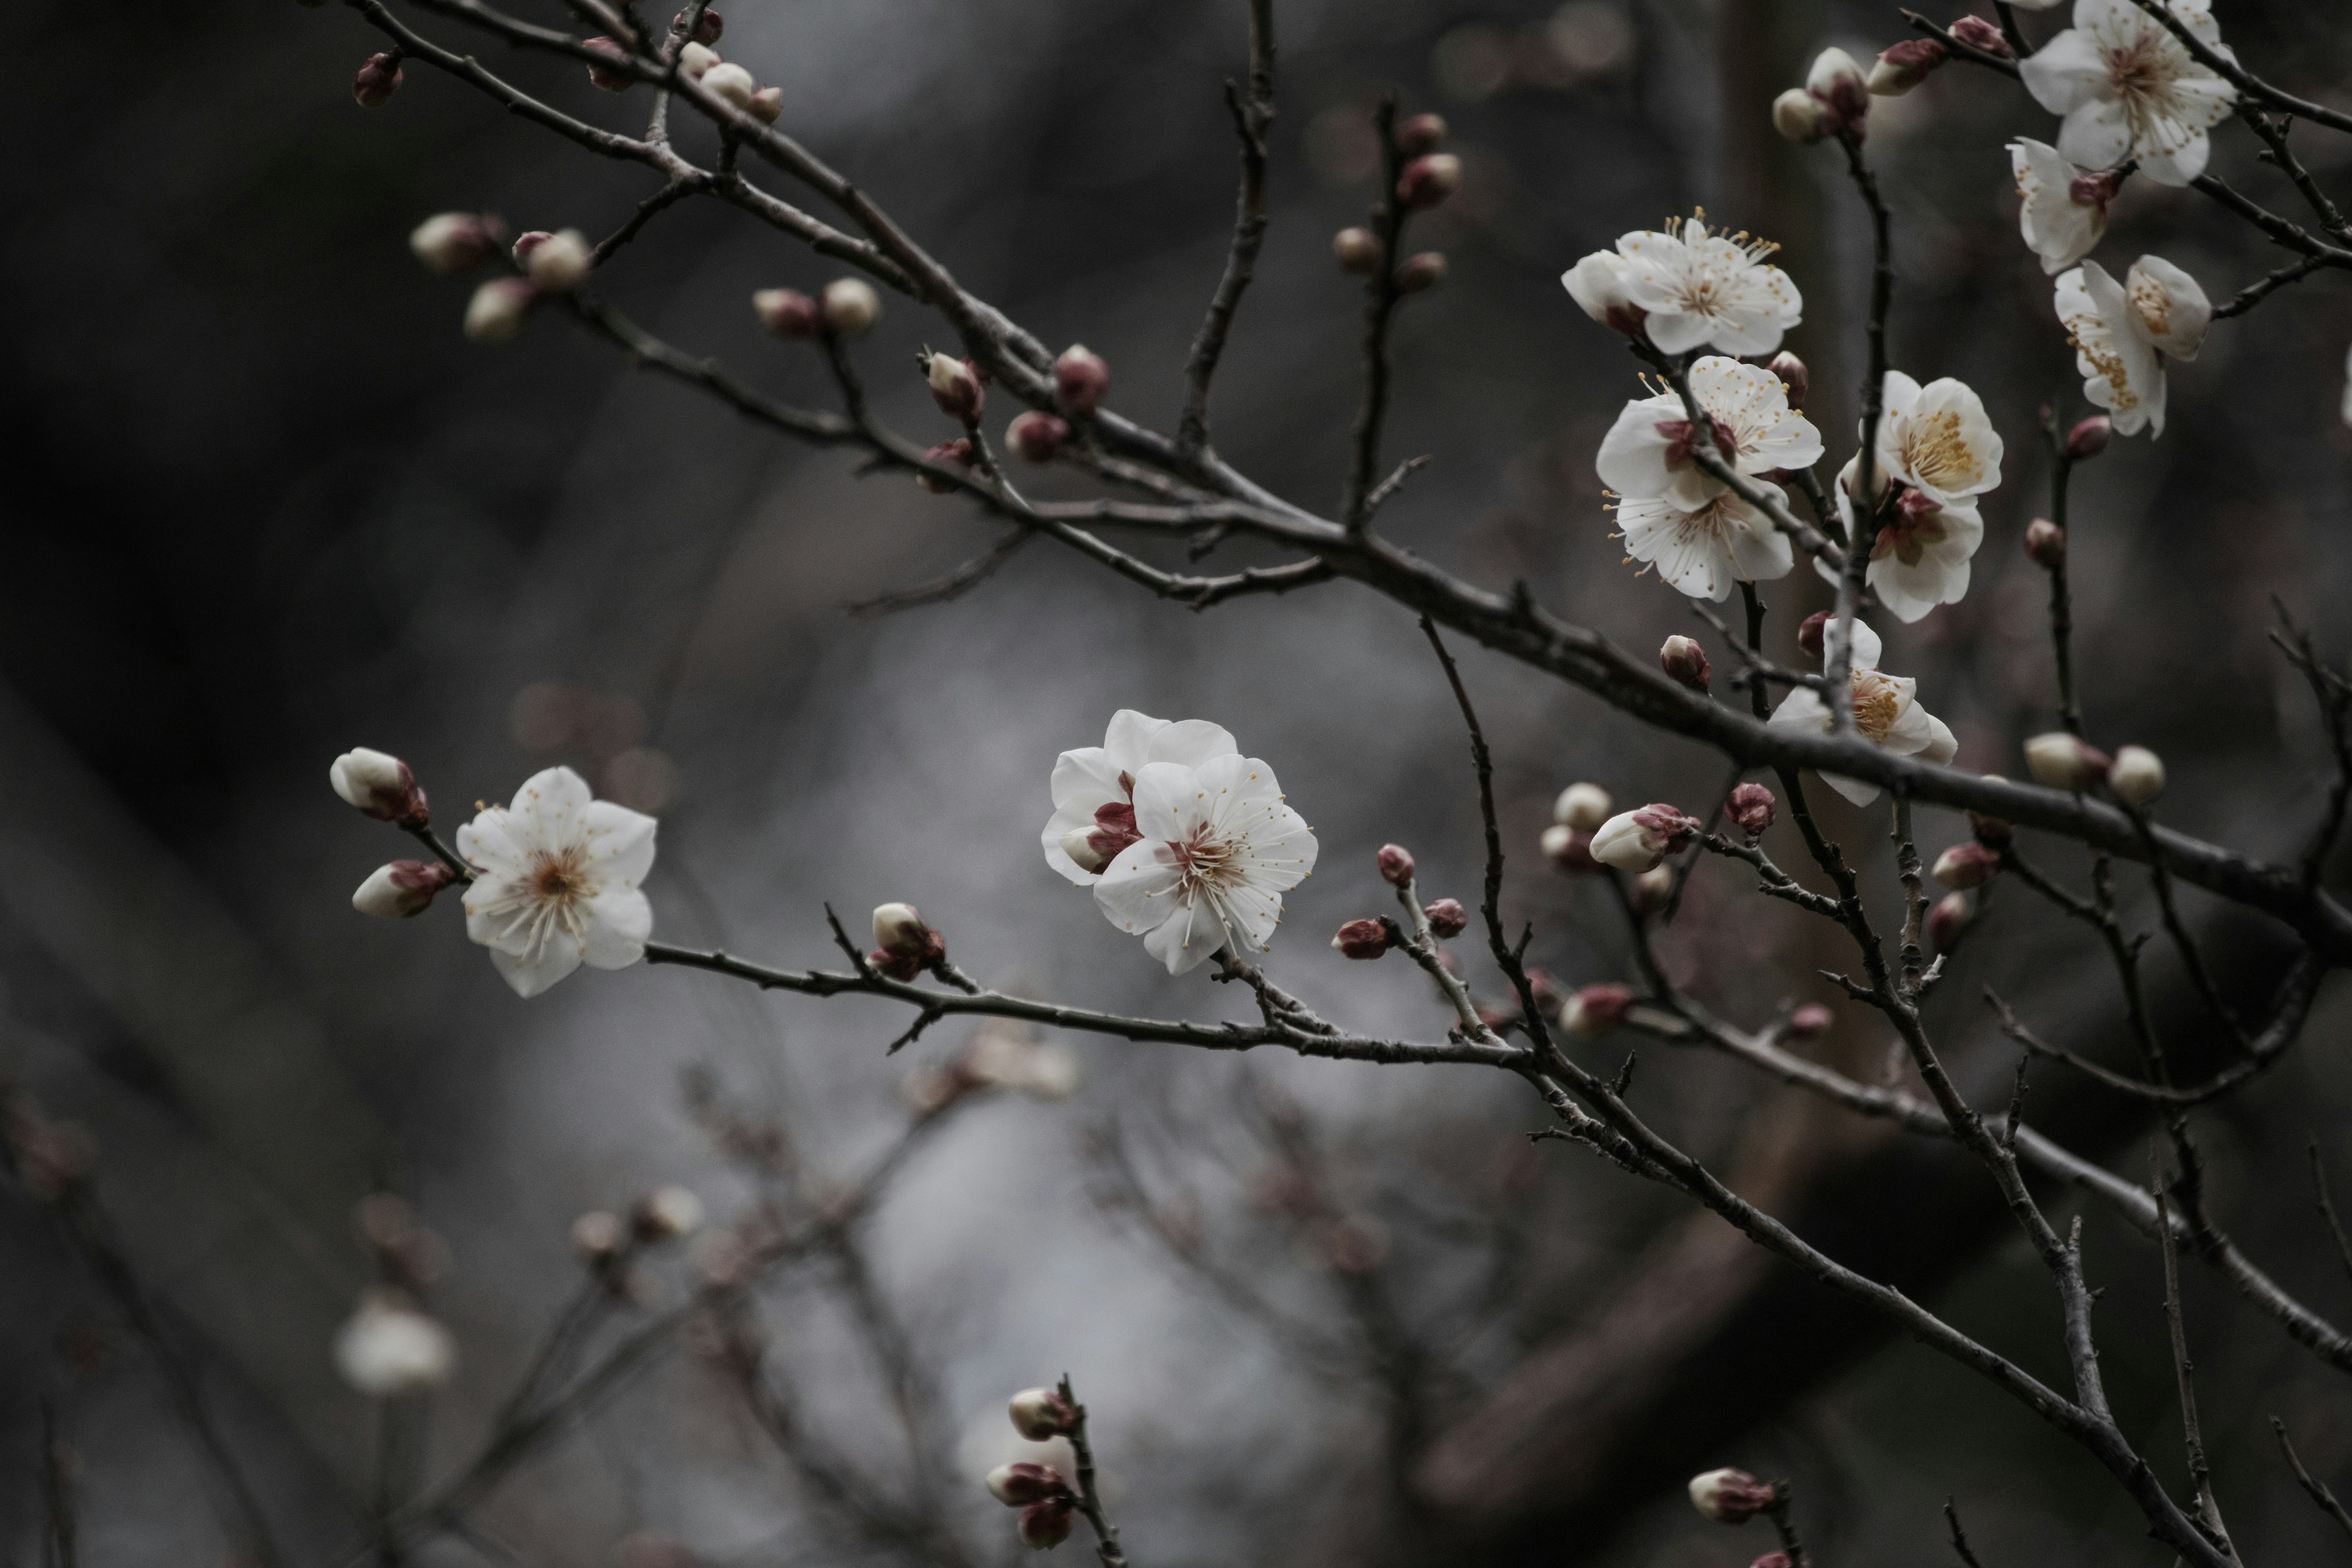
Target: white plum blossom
[
  {"x": 1646, "y": 455},
  {"x": 1217, "y": 851},
  {"x": 557, "y": 881},
  {"x": 1094, "y": 787},
  {"x": 1704, "y": 551},
  {"x": 1702, "y": 289},
  {"x": 1936, "y": 438},
  {"x": 1597, "y": 284},
  {"x": 2062, "y": 210},
  {"x": 2129, "y": 89},
  {"x": 1886, "y": 712},
  {"x": 2123, "y": 332},
  {"x": 388, "y": 1347},
  {"x": 1921, "y": 558}
]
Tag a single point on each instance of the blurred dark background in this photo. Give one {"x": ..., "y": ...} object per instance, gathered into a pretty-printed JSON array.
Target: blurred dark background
[{"x": 264, "y": 503}]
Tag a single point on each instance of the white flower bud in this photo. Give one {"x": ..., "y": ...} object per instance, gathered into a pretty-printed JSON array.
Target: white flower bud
[
  {"x": 1839, "y": 84},
  {"x": 379, "y": 786},
  {"x": 495, "y": 311},
  {"x": 1039, "y": 1414},
  {"x": 899, "y": 928},
  {"x": 1597, "y": 284},
  {"x": 1798, "y": 116},
  {"x": 2064, "y": 761},
  {"x": 955, "y": 387},
  {"x": 388, "y": 1349},
  {"x": 767, "y": 105},
  {"x": 1729, "y": 1496},
  {"x": 451, "y": 243},
  {"x": 401, "y": 889},
  {"x": 559, "y": 263},
  {"x": 1637, "y": 841},
  {"x": 693, "y": 62},
  {"x": 1582, "y": 806},
  {"x": 596, "y": 1236},
  {"x": 665, "y": 1214},
  {"x": 851, "y": 306},
  {"x": 2136, "y": 775},
  {"x": 730, "y": 84}
]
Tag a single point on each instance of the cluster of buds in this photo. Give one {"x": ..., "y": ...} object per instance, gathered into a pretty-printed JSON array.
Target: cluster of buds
[
  {"x": 738, "y": 90},
  {"x": 2065, "y": 760},
  {"x": 1047, "y": 1504},
  {"x": 1905, "y": 66},
  {"x": 1685, "y": 662},
  {"x": 379, "y": 786},
  {"x": 957, "y": 385},
  {"x": 1000, "y": 1055},
  {"x": 51, "y": 1157},
  {"x": 1080, "y": 378},
  {"x": 903, "y": 945},
  {"x": 848, "y": 308},
  {"x": 1581, "y": 809},
  {"x": 1834, "y": 100},
  {"x": 1639, "y": 840},
  {"x": 1751, "y": 807},
  {"x": 1595, "y": 1009},
  {"x": 404, "y": 1252},
  {"x": 956, "y": 451},
  {"x": 379, "y": 78},
  {"x": 1731, "y": 1496}
]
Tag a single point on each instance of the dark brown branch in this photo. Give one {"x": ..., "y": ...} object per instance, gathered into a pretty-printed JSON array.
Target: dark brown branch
[
  {"x": 1951, "y": 1507},
  {"x": 1090, "y": 1503},
  {"x": 2327, "y": 1210},
  {"x": 2310, "y": 1483},
  {"x": 2201, "y": 1473},
  {"x": 1252, "y": 118},
  {"x": 954, "y": 585},
  {"x": 1380, "y": 298},
  {"x": 2237, "y": 76}
]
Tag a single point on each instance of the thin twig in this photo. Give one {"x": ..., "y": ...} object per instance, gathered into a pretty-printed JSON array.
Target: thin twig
[
  {"x": 2310, "y": 1483},
  {"x": 1252, "y": 118}
]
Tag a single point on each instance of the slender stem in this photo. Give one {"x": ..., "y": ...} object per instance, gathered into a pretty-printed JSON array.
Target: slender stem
[
  {"x": 1379, "y": 306},
  {"x": 2062, "y": 613},
  {"x": 2311, "y": 1484},
  {"x": 1837, "y": 661},
  {"x": 2201, "y": 1473},
  {"x": 1252, "y": 118},
  {"x": 1090, "y": 1503}
]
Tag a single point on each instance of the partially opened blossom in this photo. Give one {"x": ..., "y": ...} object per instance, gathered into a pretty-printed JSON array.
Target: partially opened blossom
[
  {"x": 2123, "y": 332},
  {"x": 2062, "y": 210},
  {"x": 1920, "y": 557},
  {"x": 1094, "y": 787},
  {"x": 1936, "y": 438},
  {"x": 557, "y": 881},
  {"x": 1217, "y": 851},
  {"x": 1646, "y": 455},
  {"x": 1703, "y": 551},
  {"x": 1886, "y": 713},
  {"x": 1705, "y": 290},
  {"x": 1597, "y": 284},
  {"x": 2129, "y": 89}
]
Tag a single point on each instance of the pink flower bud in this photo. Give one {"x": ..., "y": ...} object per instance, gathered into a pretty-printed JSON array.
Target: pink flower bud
[
  {"x": 1980, "y": 34},
  {"x": 379, "y": 786},
  {"x": 2064, "y": 761},
  {"x": 851, "y": 306},
  {"x": 2045, "y": 544},
  {"x": 1813, "y": 631},
  {"x": 597, "y": 1236},
  {"x": 1595, "y": 1009},
  {"x": 898, "y": 966},
  {"x": 1080, "y": 377},
  {"x": 788, "y": 312},
  {"x": 1968, "y": 865},
  {"x": 730, "y": 84},
  {"x": 665, "y": 1214},
  {"x": 1446, "y": 918},
  {"x": 451, "y": 243},
  {"x": 956, "y": 452},
  {"x": 708, "y": 27},
  {"x": 1771, "y": 1560},
  {"x": 1648, "y": 892},
  {"x": 403, "y": 889},
  {"x": 1429, "y": 180},
  {"x": 1569, "y": 850},
  {"x": 1637, "y": 841},
  {"x": 1358, "y": 251},
  {"x": 557, "y": 263},
  {"x": 955, "y": 387},
  {"x": 1583, "y": 807},
  {"x": 2137, "y": 775},
  {"x": 1752, "y": 807},
  {"x": 1395, "y": 862},
  {"x": 1682, "y": 660},
  {"x": 1420, "y": 133},
  {"x": 1046, "y": 1525},
  {"x": 1800, "y": 117},
  {"x": 1729, "y": 1496},
  {"x": 1839, "y": 83},
  {"x": 1809, "y": 1022},
  {"x": 899, "y": 931},
  {"x": 1040, "y": 1413},
  {"x": 1038, "y": 436},
  {"x": 1020, "y": 1483},
  {"x": 1362, "y": 939},
  {"x": 1905, "y": 66},
  {"x": 1417, "y": 274},
  {"x": 2089, "y": 436},
  {"x": 610, "y": 80},
  {"x": 378, "y": 80},
  {"x": 495, "y": 312},
  {"x": 1795, "y": 379},
  {"x": 1950, "y": 919}
]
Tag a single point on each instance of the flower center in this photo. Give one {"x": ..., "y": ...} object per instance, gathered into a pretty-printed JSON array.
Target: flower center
[
  {"x": 1679, "y": 445},
  {"x": 1937, "y": 451},
  {"x": 1876, "y": 704},
  {"x": 1206, "y": 862}
]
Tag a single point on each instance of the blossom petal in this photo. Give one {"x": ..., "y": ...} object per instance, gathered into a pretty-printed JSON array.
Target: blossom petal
[
  {"x": 532, "y": 975},
  {"x": 1191, "y": 743},
  {"x": 2067, "y": 70},
  {"x": 1138, "y": 888},
  {"x": 617, "y": 925},
  {"x": 1188, "y": 938},
  {"x": 1633, "y": 456},
  {"x": 619, "y": 843},
  {"x": 2095, "y": 134},
  {"x": 2060, "y": 229}
]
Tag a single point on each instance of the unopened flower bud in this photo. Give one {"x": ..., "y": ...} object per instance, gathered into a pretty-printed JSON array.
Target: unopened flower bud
[
  {"x": 378, "y": 80},
  {"x": 388, "y": 1347},
  {"x": 1798, "y": 116},
  {"x": 1021, "y": 1483},
  {"x": 1595, "y": 1009},
  {"x": 767, "y": 105},
  {"x": 1583, "y": 807},
  {"x": 1682, "y": 660},
  {"x": 665, "y": 1214},
  {"x": 1420, "y": 133},
  {"x": 1395, "y": 862},
  {"x": 1446, "y": 918},
  {"x": 788, "y": 312},
  {"x": 1648, "y": 893},
  {"x": 851, "y": 306},
  {"x": 956, "y": 452},
  {"x": 601, "y": 76},
  {"x": 1950, "y": 919},
  {"x": 1969, "y": 865},
  {"x": 1597, "y": 284},
  {"x": 559, "y": 263},
  {"x": 1080, "y": 376},
  {"x": 1040, "y": 1413},
  {"x": 1839, "y": 83},
  {"x": 1362, "y": 939},
  {"x": 708, "y": 27},
  {"x": 730, "y": 84},
  {"x": 694, "y": 61},
  {"x": 379, "y": 786},
  {"x": 1428, "y": 180},
  {"x": 1046, "y": 1525},
  {"x": 495, "y": 311},
  {"x": 1795, "y": 379},
  {"x": 1812, "y": 633},
  {"x": 1752, "y": 806},
  {"x": 1636, "y": 841},
  {"x": 2045, "y": 544},
  {"x": 1569, "y": 850},
  {"x": 1358, "y": 251},
  {"x": 1038, "y": 436},
  {"x": 1980, "y": 34},
  {"x": 1771, "y": 1560},
  {"x": 955, "y": 387},
  {"x": 597, "y": 1236},
  {"x": 1418, "y": 273},
  {"x": 451, "y": 243},
  {"x": 1729, "y": 1496},
  {"x": 900, "y": 932},
  {"x": 2089, "y": 436},
  {"x": 1809, "y": 1022},
  {"x": 2136, "y": 775},
  {"x": 2064, "y": 761},
  {"x": 1905, "y": 66},
  {"x": 401, "y": 889}
]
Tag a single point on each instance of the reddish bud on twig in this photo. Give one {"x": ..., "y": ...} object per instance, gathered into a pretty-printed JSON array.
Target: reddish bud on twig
[
  {"x": 1362, "y": 939},
  {"x": 708, "y": 26},
  {"x": 1038, "y": 436},
  {"x": 610, "y": 80},
  {"x": 1681, "y": 658},
  {"x": 2090, "y": 436},
  {"x": 955, "y": 385},
  {"x": 1446, "y": 918},
  {"x": 1429, "y": 180},
  {"x": 957, "y": 452},
  {"x": 1416, "y": 274},
  {"x": 788, "y": 312},
  {"x": 1813, "y": 631},
  {"x": 403, "y": 889},
  {"x": 1395, "y": 862},
  {"x": 1771, "y": 1560},
  {"x": 1809, "y": 1022},
  {"x": 1729, "y": 1496},
  {"x": 1420, "y": 133},
  {"x": 1046, "y": 1525},
  {"x": 1982, "y": 35},
  {"x": 665, "y": 1214},
  {"x": 1752, "y": 806},
  {"x": 1969, "y": 865},
  {"x": 2045, "y": 544},
  {"x": 1905, "y": 66},
  {"x": 1949, "y": 920},
  {"x": 1569, "y": 850},
  {"x": 451, "y": 243},
  {"x": 379, "y": 786},
  {"x": 1041, "y": 1413},
  {"x": 1358, "y": 251},
  {"x": 378, "y": 80},
  {"x": 1800, "y": 117},
  {"x": 1636, "y": 841},
  {"x": 1795, "y": 379},
  {"x": 556, "y": 263},
  {"x": 851, "y": 306},
  {"x": 1080, "y": 377},
  {"x": 2064, "y": 761},
  {"x": 1020, "y": 1483},
  {"x": 1839, "y": 83},
  {"x": 1649, "y": 891},
  {"x": 900, "y": 932}
]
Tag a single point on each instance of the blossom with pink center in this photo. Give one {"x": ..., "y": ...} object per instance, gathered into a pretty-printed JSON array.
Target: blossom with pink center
[
  {"x": 2062, "y": 210},
  {"x": 1921, "y": 558},
  {"x": 2123, "y": 332},
  {"x": 1217, "y": 850},
  {"x": 1703, "y": 288},
  {"x": 557, "y": 881},
  {"x": 1886, "y": 712},
  {"x": 1094, "y": 787},
  {"x": 2129, "y": 89},
  {"x": 1646, "y": 455}
]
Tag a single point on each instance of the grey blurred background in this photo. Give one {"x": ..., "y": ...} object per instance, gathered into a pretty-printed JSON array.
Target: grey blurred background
[{"x": 264, "y": 503}]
